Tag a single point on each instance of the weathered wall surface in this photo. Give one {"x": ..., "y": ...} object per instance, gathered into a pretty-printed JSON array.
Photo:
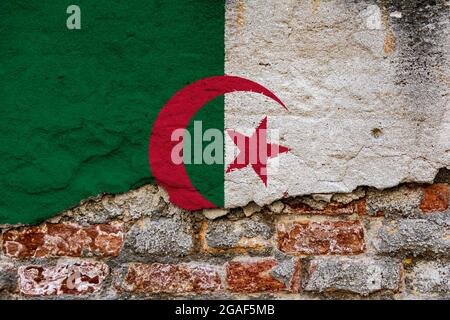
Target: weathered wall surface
[
  {"x": 366, "y": 84},
  {"x": 78, "y": 105},
  {"x": 370, "y": 244}
]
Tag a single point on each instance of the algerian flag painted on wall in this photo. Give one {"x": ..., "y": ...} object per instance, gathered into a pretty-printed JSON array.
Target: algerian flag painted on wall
[
  {"x": 78, "y": 105},
  {"x": 83, "y": 110}
]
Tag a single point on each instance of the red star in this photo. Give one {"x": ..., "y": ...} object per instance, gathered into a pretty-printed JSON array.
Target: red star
[{"x": 254, "y": 150}]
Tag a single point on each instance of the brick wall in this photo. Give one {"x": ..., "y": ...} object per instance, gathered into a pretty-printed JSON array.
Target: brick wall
[{"x": 369, "y": 244}]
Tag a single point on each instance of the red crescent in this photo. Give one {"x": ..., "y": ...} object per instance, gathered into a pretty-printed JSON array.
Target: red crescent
[{"x": 176, "y": 114}]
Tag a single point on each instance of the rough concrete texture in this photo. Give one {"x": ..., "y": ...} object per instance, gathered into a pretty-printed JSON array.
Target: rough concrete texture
[
  {"x": 359, "y": 275},
  {"x": 7, "y": 277},
  {"x": 225, "y": 234},
  {"x": 242, "y": 233},
  {"x": 366, "y": 84},
  {"x": 285, "y": 270},
  {"x": 432, "y": 276},
  {"x": 161, "y": 237},
  {"x": 146, "y": 201},
  {"x": 404, "y": 200},
  {"x": 429, "y": 235}
]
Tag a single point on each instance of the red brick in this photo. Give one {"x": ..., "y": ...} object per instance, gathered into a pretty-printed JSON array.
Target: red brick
[
  {"x": 74, "y": 278},
  {"x": 295, "y": 283},
  {"x": 168, "y": 278},
  {"x": 315, "y": 238},
  {"x": 361, "y": 207},
  {"x": 63, "y": 240},
  {"x": 253, "y": 276},
  {"x": 332, "y": 209},
  {"x": 435, "y": 198}
]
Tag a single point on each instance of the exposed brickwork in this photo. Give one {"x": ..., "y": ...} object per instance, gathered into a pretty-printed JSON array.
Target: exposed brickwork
[
  {"x": 72, "y": 278},
  {"x": 399, "y": 202},
  {"x": 63, "y": 240},
  {"x": 166, "y": 278},
  {"x": 355, "y": 275},
  {"x": 377, "y": 244},
  {"x": 328, "y": 237},
  {"x": 435, "y": 198},
  {"x": 431, "y": 277}
]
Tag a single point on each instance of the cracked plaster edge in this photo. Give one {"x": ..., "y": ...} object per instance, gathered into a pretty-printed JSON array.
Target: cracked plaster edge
[{"x": 315, "y": 200}]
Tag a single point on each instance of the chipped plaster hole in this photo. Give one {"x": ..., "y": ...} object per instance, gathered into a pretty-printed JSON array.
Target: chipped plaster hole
[{"x": 376, "y": 132}]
